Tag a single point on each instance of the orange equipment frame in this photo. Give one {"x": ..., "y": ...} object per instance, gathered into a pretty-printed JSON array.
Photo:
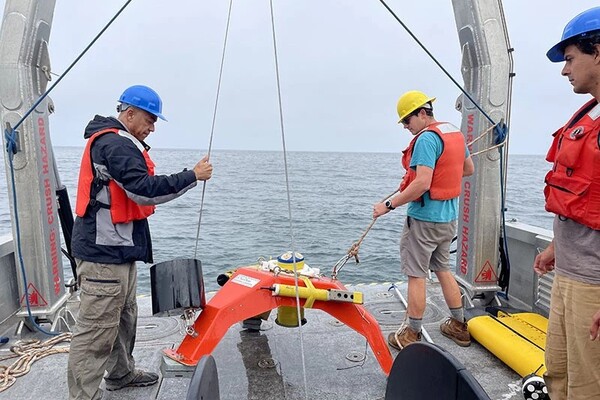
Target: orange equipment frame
[{"x": 246, "y": 295}]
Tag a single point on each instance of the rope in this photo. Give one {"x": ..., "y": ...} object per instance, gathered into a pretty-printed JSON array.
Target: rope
[
  {"x": 28, "y": 352},
  {"x": 488, "y": 130},
  {"x": 500, "y": 129},
  {"x": 353, "y": 250},
  {"x": 488, "y": 149},
  {"x": 289, "y": 202},
  {"x": 214, "y": 118}
]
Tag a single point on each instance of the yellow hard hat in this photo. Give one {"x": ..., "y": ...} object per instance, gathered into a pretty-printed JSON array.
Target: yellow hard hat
[{"x": 410, "y": 101}]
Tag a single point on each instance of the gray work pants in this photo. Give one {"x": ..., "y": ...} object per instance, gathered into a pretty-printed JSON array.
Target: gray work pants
[{"x": 104, "y": 335}]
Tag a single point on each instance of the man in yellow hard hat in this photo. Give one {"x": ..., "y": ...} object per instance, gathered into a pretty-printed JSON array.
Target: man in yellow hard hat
[{"x": 435, "y": 161}]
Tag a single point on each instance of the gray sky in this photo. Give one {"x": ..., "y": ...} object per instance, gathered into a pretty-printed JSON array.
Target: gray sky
[{"x": 343, "y": 65}]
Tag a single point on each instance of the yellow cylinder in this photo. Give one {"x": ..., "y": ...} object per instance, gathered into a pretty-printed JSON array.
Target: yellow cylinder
[{"x": 288, "y": 316}]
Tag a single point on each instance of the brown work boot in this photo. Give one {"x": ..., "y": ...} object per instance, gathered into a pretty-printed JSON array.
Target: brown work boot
[
  {"x": 403, "y": 337},
  {"x": 457, "y": 331}
]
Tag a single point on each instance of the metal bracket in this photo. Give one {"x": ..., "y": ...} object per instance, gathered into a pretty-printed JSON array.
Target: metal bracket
[{"x": 43, "y": 63}]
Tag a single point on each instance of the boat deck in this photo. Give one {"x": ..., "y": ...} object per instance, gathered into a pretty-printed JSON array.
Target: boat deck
[{"x": 269, "y": 364}]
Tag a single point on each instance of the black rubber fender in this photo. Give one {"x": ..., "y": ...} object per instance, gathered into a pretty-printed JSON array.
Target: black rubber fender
[
  {"x": 204, "y": 384},
  {"x": 177, "y": 285},
  {"x": 426, "y": 371}
]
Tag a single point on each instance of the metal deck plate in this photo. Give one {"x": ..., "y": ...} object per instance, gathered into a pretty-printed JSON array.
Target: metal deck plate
[{"x": 269, "y": 364}]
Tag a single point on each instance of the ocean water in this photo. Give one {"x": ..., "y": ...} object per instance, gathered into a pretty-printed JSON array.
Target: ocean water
[{"x": 246, "y": 213}]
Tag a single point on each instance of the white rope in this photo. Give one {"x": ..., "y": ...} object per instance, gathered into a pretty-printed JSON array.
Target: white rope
[
  {"x": 481, "y": 136},
  {"x": 29, "y": 351},
  {"x": 287, "y": 184},
  {"x": 488, "y": 130},
  {"x": 488, "y": 149},
  {"x": 212, "y": 128}
]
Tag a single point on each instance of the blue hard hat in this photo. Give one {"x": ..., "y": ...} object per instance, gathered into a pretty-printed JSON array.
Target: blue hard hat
[
  {"x": 583, "y": 23},
  {"x": 144, "y": 98}
]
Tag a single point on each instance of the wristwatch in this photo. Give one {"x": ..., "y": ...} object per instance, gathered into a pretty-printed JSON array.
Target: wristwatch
[{"x": 389, "y": 205}]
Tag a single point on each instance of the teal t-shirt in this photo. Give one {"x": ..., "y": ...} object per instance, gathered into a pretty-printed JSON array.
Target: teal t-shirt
[{"x": 426, "y": 152}]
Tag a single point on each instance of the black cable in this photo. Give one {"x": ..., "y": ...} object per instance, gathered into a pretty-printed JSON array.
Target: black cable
[
  {"x": 47, "y": 92},
  {"x": 438, "y": 63}
]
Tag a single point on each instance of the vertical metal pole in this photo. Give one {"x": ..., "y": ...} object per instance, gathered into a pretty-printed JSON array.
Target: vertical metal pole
[{"x": 487, "y": 73}]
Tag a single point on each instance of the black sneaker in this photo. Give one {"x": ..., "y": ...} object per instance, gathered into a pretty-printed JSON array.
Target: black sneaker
[{"x": 140, "y": 379}]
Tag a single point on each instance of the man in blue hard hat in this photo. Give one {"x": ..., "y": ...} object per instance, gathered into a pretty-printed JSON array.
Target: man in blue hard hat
[
  {"x": 117, "y": 192},
  {"x": 573, "y": 193}
]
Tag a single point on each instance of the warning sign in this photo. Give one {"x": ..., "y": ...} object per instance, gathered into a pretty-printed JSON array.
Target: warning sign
[
  {"x": 35, "y": 298},
  {"x": 487, "y": 274}
]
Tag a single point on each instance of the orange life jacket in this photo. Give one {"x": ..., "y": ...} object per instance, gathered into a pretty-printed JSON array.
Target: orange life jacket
[
  {"x": 573, "y": 185},
  {"x": 448, "y": 171},
  {"x": 122, "y": 208}
]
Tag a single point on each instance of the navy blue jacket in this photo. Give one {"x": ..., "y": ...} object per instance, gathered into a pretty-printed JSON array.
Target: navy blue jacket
[{"x": 119, "y": 157}]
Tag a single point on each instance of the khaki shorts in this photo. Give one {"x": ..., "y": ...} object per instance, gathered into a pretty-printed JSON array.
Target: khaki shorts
[{"x": 425, "y": 246}]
